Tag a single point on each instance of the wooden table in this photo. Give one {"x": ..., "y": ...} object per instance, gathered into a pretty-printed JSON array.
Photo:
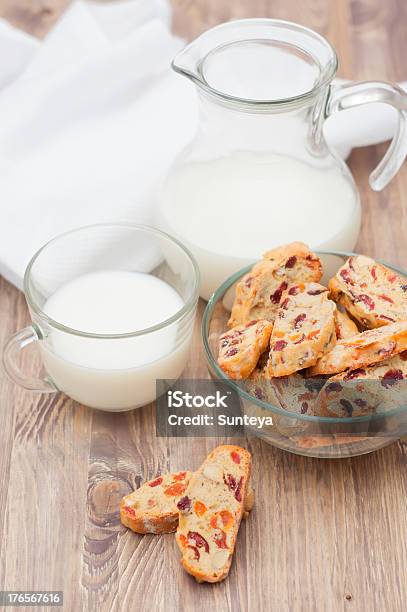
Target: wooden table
[{"x": 324, "y": 536}]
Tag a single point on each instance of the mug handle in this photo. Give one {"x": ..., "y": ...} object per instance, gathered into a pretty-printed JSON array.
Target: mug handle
[
  {"x": 11, "y": 350},
  {"x": 342, "y": 97}
]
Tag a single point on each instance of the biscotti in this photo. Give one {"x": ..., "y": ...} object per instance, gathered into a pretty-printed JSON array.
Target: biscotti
[
  {"x": 152, "y": 508},
  {"x": 211, "y": 511},
  {"x": 303, "y": 331},
  {"x": 363, "y": 349},
  {"x": 344, "y": 326},
  {"x": 377, "y": 388},
  {"x": 297, "y": 395},
  {"x": 373, "y": 294},
  {"x": 260, "y": 291},
  {"x": 261, "y": 385},
  {"x": 241, "y": 347}
]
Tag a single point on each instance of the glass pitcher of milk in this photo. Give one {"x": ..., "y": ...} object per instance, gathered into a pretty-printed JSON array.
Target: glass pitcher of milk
[{"x": 258, "y": 172}]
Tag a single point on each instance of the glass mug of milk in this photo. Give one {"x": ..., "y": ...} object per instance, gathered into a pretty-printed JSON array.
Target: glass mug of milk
[
  {"x": 113, "y": 309},
  {"x": 258, "y": 173}
]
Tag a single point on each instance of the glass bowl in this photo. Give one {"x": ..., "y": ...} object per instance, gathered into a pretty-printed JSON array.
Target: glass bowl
[{"x": 302, "y": 434}]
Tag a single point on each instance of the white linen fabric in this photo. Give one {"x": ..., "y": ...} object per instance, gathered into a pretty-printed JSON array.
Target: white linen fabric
[{"x": 93, "y": 116}]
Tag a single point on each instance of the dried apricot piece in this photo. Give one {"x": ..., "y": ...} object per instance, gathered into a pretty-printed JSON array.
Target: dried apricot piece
[
  {"x": 175, "y": 489},
  {"x": 199, "y": 508},
  {"x": 179, "y": 476},
  {"x": 183, "y": 539},
  {"x": 226, "y": 518}
]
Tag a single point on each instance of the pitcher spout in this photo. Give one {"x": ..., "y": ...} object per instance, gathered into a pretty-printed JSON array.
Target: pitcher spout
[{"x": 186, "y": 62}]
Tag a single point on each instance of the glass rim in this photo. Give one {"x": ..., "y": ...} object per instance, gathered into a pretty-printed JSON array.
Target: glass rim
[
  {"x": 214, "y": 300},
  {"x": 187, "y": 307},
  {"x": 326, "y": 75}
]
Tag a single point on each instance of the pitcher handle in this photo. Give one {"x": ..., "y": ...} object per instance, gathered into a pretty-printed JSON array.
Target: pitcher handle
[
  {"x": 11, "y": 350},
  {"x": 342, "y": 97}
]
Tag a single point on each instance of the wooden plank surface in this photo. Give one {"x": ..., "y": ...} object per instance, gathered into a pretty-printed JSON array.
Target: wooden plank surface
[{"x": 324, "y": 536}]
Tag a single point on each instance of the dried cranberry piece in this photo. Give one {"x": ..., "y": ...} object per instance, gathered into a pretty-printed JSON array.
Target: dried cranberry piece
[
  {"x": 294, "y": 290},
  {"x": 238, "y": 495},
  {"x": 366, "y": 300},
  {"x": 224, "y": 343},
  {"x": 360, "y": 402},
  {"x": 382, "y": 316},
  {"x": 231, "y": 352},
  {"x": 233, "y": 485},
  {"x": 285, "y": 304},
  {"x": 347, "y": 406},
  {"x": 346, "y": 277},
  {"x": 404, "y": 287},
  {"x": 258, "y": 393},
  {"x": 373, "y": 273},
  {"x": 230, "y": 481},
  {"x": 333, "y": 386},
  {"x": 235, "y": 457},
  {"x": 184, "y": 504},
  {"x": 388, "y": 349},
  {"x": 316, "y": 291},
  {"x": 130, "y": 511},
  {"x": 220, "y": 539},
  {"x": 199, "y": 540},
  {"x": 196, "y": 551},
  {"x": 354, "y": 374},
  {"x": 280, "y": 345},
  {"x": 300, "y": 339},
  {"x": 155, "y": 482},
  {"x": 276, "y": 296},
  {"x": 251, "y": 323},
  {"x": 391, "y": 377},
  {"x": 314, "y": 384},
  {"x": 291, "y": 261},
  {"x": 386, "y": 298},
  {"x": 299, "y": 319},
  {"x": 403, "y": 355},
  {"x": 304, "y": 407}
]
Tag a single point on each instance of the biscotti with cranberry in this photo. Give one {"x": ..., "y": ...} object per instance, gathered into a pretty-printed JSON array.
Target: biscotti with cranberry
[
  {"x": 152, "y": 508},
  {"x": 373, "y": 294},
  {"x": 376, "y": 388},
  {"x": 210, "y": 513},
  {"x": 364, "y": 349},
  {"x": 260, "y": 291},
  {"x": 241, "y": 347},
  {"x": 303, "y": 331},
  {"x": 260, "y": 385}
]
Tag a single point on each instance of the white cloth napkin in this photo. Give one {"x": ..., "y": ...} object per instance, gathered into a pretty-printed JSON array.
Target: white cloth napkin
[
  {"x": 93, "y": 116},
  {"x": 90, "y": 123}
]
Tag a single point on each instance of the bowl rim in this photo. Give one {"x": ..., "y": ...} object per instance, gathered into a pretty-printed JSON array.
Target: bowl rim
[
  {"x": 185, "y": 310},
  {"x": 213, "y": 301}
]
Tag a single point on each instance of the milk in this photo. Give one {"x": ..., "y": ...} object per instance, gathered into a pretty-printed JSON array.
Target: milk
[
  {"x": 114, "y": 374},
  {"x": 229, "y": 210}
]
